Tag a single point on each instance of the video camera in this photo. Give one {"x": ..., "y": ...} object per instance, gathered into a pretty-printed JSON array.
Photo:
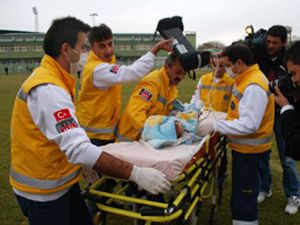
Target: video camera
[
  {"x": 255, "y": 40},
  {"x": 190, "y": 59},
  {"x": 284, "y": 82},
  {"x": 257, "y": 43}
]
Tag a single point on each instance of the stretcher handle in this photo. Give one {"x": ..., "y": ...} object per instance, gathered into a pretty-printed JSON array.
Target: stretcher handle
[
  {"x": 86, "y": 194},
  {"x": 149, "y": 211}
]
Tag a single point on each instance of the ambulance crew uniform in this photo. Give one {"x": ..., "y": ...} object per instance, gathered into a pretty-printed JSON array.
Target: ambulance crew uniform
[
  {"x": 214, "y": 92},
  {"x": 152, "y": 96},
  {"x": 249, "y": 126},
  {"x": 99, "y": 102},
  {"x": 45, "y": 170}
]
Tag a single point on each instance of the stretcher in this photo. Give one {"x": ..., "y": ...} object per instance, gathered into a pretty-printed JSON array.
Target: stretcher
[{"x": 196, "y": 182}]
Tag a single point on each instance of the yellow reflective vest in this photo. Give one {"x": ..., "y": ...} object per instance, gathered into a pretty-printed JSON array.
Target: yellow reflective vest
[
  {"x": 98, "y": 111},
  {"x": 261, "y": 140},
  {"x": 37, "y": 165},
  {"x": 216, "y": 96},
  {"x": 152, "y": 96}
]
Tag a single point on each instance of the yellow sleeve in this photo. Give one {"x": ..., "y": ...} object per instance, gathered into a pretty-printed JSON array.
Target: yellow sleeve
[{"x": 140, "y": 103}]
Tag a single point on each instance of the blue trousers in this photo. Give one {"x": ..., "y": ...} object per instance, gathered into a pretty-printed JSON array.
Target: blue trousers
[
  {"x": 70, "y": 209},
  {"x": 290, "y": 175},
  {"x": 245, "y": 185}
]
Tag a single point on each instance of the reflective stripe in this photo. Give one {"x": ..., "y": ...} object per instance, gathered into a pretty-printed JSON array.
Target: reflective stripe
[
  {"x": 205, "y": 87},
  {"x": 237, "y": 94},
  {"x": 250, "y": 141},
  {"x": 108, "y": 130},
  {"x": 42, "y": 184},
  {"x": 122, "y": 138},
  {"x": 161, "y": 99},
  {"x": 22, "y": 95},
  {"x": 219, "y": 88}
]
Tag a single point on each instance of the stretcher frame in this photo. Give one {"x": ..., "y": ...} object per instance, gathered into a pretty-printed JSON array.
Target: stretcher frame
[{"x": 198, "y": 176}]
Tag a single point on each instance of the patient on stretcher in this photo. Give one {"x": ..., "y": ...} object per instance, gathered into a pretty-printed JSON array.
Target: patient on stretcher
[
  {"x": 160, "y": 131},
  {"x": 168, "y": 143}
]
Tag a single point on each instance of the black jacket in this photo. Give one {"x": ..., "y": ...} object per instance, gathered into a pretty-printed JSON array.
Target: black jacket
[
  {"x": 291, "y": 131},
  {"x": 267, "y": 66}
]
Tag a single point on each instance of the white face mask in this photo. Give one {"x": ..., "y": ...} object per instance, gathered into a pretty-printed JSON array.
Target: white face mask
[
  {"x": 230, "y": 72},
  {"x": 83, "y": 58},
  {"x": 74, "y": 66}
]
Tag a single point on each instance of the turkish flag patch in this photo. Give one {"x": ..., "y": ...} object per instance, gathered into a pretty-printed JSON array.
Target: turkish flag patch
[
  {"x": 145, "y": 94},
  {"x": 115, "y": 68},
  {"x": 62, "y": 115},
  {"x": 64, "y": 120}
]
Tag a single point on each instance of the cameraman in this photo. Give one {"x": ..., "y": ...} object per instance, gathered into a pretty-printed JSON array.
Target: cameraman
[
  {"x": 290, "y": 112},
  {"x": 270, "y": 58}
]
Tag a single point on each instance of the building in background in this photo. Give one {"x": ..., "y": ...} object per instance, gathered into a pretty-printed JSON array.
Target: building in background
[{"x": 21, "y": 52}]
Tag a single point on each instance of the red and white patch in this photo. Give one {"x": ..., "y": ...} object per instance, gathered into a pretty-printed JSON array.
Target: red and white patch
[
  {"x": 115, "y": 68},
  {"x": 65, "y": 125},
  {"x": 62, "y": 115},
  {"x": 145, "y": 94}
]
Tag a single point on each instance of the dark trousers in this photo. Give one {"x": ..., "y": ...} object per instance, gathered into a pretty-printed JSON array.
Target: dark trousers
[
  {"x": 245, "y": 185},
  {"x": 69, "y": 209}
]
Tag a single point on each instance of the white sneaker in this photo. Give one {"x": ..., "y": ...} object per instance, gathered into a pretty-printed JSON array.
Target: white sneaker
[
  {"x": 263, "y": 195},
  {"x": 292, "y": 205}
]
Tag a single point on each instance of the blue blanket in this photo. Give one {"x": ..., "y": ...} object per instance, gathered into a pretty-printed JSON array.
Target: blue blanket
[{"x": 160, "y": 131}]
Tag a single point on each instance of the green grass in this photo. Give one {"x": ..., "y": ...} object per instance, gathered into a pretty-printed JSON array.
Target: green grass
[{"x": 271, "y": 212}]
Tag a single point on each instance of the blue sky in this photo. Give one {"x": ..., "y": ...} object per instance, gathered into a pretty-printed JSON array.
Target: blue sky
[{"x": 222, "y": 20}]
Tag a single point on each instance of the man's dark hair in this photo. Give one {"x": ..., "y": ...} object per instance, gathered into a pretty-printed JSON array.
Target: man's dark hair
[
  {"x": 278, "y": 31},
  {"x": 63, "y": 30},
  {"x": 293, "y": 53},
  {"x": 100, "y": 33},
  {"x": 239, "y": 51},
  {"x": 171, "y": 59}
]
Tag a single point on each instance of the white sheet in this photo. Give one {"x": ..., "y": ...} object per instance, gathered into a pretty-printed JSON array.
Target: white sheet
[{"x": 170, "y": 160}]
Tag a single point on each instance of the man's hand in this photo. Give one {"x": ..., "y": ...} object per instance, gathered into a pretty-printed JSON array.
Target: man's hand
[
  {"x": 89, "y": 175},
  {"x": 150, "y": 179},
  {"x": 164, "y": 44},
  {"x": 205, "y": 127},
  {"x": 279, "y": 97}
]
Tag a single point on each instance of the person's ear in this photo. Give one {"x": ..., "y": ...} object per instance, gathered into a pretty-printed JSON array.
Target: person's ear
[
  {"x": 239, "y": 62},
  {"x": 64, "y": 49},
  {"x": 167, "y": 68}
]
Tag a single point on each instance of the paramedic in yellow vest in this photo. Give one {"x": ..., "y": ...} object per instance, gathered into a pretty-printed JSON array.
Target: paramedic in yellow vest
[
  {"x": 48, "y": 147},
  {"x": 214, "y": 88},
  {"x": 99, "y": 102},
  {"x": 249, "y": 126},
  {"x": 153, "y": 95}
]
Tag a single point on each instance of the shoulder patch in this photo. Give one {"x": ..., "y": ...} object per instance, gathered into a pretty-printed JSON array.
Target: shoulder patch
[
  {"x": 65, "y": 125},
  {"x": 64, "y": 120},
  {"x": 62, "y": 114},
  {"x": 114, "y": 68},
  {"x": 145, "y": 94}
]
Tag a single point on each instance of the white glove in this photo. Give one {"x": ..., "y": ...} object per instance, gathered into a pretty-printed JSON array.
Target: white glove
[
  {"x": 89, "y": 175},
  {"x": 150, "y": 179},
  {"x": 205, "y": 127}
]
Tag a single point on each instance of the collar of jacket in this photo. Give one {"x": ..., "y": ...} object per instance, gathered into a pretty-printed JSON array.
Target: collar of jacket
[
  {"x": 222, "y": 79},
  {"x": 93, "y": 57},
  {"x": 51, "y": 64},
  {"x": 242, "y": 76},
  {"x": 165, "y": 78}
]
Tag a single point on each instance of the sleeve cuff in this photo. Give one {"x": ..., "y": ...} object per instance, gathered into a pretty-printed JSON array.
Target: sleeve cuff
[
  {"x": 285, "y": 108},
  {"x": 151, "y": 55},
  {"x": 92, "y": 155}
]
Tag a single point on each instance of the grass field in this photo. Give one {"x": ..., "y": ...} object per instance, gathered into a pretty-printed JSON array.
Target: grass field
[{"x": 271, "y": 212}]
